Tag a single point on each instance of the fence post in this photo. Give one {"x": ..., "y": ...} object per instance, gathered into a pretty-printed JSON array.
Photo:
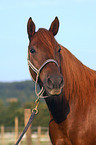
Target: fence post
[
  {"x": 16, "y": 128},
  {"x": 39, "y": 134},
  {"x": 2, "y": 135},
  {"x": 27, "y": 114}
]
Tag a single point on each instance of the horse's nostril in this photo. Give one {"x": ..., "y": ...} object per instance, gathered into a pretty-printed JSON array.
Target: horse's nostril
[{"x": 49, "y": 83}]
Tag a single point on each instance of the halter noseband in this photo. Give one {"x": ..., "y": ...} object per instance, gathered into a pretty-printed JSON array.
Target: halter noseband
[{"x": 37, "y": 71}]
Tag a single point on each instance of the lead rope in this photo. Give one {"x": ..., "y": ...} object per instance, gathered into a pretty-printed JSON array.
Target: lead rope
[{"x": 34, "y": 112}]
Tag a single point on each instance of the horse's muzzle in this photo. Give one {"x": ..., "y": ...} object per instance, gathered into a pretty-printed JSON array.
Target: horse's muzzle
[{"x": 54, "y": 84}]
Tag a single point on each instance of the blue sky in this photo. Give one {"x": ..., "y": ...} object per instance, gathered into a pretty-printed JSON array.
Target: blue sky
[{"x": 77, "y": 32}]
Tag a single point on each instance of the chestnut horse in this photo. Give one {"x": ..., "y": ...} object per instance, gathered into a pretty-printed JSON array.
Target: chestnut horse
[{"x": 69, "y": 85}]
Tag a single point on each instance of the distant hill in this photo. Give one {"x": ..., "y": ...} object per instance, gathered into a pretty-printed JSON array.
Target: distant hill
[{"x": 22, "y": 91}]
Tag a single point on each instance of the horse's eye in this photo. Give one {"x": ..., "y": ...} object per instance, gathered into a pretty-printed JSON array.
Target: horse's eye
[
  {"x": 32, "y": 50},
  {"x": 59, "y": 50}
]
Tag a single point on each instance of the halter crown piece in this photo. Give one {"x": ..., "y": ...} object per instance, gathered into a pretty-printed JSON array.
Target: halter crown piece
[{"x": 37, "y": 71}]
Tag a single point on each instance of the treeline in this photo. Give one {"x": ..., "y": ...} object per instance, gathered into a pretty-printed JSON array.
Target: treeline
[
  {"x": 22, "y": 91},
  {"x": 9, "y": 112},
  {"x": 14, "y": 98}
]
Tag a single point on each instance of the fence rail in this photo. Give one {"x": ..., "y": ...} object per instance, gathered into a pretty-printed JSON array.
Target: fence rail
[
  {"x": 34, "y": 136},
  {"x": 39, "y": 136}
]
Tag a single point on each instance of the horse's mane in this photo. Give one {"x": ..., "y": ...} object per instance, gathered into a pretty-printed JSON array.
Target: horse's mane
[{"x": 79, "y": 79}]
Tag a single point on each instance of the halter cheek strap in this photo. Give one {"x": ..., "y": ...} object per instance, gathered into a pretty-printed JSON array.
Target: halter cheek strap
[{"x": 37, "y": 71}]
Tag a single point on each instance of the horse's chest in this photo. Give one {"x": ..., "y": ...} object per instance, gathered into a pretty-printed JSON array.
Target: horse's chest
[{"x": 80, "y": 129}]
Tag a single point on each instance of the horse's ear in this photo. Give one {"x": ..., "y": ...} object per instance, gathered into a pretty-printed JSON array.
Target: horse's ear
[
  {"x": 54, "y": 26},
  {"x": 30, "y": 28}
]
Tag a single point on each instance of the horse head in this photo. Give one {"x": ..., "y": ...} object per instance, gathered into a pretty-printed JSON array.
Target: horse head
[{"x": 43, "y": 47}]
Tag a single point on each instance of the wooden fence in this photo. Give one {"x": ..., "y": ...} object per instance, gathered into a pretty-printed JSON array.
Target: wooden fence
[{"x": 30, "y": 138}]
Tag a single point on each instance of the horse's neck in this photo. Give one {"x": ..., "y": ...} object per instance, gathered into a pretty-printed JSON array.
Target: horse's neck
[{"x": 77, "y": 77}]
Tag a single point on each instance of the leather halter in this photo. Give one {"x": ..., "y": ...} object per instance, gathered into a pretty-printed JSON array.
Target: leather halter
[{"x": 37, "y": 71}]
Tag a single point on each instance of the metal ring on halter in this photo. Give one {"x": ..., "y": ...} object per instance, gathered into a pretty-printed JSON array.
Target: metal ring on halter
[{"x": 37, "y": 71}]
